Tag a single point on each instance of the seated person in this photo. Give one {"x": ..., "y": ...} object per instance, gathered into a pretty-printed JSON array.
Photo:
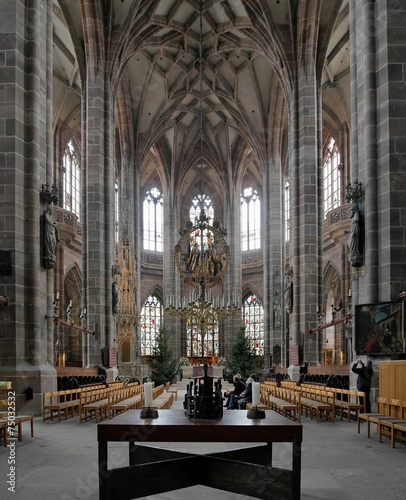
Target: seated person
[
  {"x": 239, "y": 387},
  {"x": 246, "y": 396}
]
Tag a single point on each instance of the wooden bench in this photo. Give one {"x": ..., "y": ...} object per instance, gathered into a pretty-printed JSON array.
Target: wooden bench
[
  {"x": 163, "y": 402},
  {"x": 60, "y": 403},
  {"x": 168, "y": 388},
  {"x": 94, "y": 404},
  {"x": 383, "y": 410},
  {"x": 398, "y": 431},
  {"x": 18, "y": 425},
  {"x": 285, "y": 401},
  {"x": 317, "y": 402},
  {"x": 97, "y": 403},
  {"x": 348, "y": 401},
  {"x": 128, "y": 399},
  {"x": 385, "y": 424},
  {"x": 4, "y": 430}
]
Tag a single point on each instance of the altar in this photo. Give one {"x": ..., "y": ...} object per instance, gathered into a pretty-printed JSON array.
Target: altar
[
  {"x": 154, "y": 470},
  {"x": 198, "y": 371}
]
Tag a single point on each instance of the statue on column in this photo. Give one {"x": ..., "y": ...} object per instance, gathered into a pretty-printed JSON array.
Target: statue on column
[
  {"x": 355, "y": 194},
  {"x": 50, "y": 239},
  {"x": 288, "y": 289},
  {"x": 354, "y": 255}
]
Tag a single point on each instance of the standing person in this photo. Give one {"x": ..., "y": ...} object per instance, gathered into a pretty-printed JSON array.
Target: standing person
[
  {"x": 239, "y": 387},
  {"x": 365, "y": 373}
]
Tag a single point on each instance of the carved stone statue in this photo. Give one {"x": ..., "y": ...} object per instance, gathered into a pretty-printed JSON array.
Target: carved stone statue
[
  {"x": 288, "y": 291},
  {"x": 277, "y": 314},
  {"x": 50, "y": 240},
  {"x": 116, "y": 297},
  {"x": 354, "y": 256}
]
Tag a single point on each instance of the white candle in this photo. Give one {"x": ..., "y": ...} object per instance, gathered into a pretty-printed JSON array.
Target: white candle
[
  {"x": 148, "y": 394},
  {"x": 57, "y": 295},
  {"x": 255, "y": 393}
]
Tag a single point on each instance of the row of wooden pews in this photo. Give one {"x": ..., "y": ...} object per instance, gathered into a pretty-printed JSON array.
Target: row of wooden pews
[
  {"x": 293, "y": 400},
  {"x": 11, "y": 425},
  {"x": 101, "y": 402},
  {"x": 390, "y": 420}
]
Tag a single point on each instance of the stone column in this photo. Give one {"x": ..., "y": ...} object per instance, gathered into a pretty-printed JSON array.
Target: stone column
[
  {"x": 306, "y": 202},
  {"x": 26, "y": 165}
]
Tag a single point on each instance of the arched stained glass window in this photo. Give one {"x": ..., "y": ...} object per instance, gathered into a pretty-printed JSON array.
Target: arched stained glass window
[
  {"x": 208, "y": 346},
  {"x": 153, "y": 220},
  {"x": 71, "y": 180},
  {"x": 331, "y": 177},
  {"x": 253, "y": 319},
  {"x": 194, "y": 214},
  {"x": 151, "y": 320},
  {"x": 250, "y": 219}
]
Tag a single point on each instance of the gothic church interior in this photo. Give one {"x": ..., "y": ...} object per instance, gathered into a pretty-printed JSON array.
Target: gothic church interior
[{"x": 124, "y": 121}]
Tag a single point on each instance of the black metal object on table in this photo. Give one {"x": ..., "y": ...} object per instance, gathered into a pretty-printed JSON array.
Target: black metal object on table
[{"x": 203, "y": 398}]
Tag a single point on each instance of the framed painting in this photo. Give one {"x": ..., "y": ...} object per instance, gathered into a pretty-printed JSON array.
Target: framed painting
[{"x": 380, "y": 328}]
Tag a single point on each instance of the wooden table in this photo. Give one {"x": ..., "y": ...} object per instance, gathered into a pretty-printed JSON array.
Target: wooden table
[{"x": 246, "y": 471}]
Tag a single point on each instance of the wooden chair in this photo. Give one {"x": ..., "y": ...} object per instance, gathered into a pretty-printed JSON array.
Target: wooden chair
[
  {"x": 4, "y": 430},
  {"x": 383, "y": 411}
]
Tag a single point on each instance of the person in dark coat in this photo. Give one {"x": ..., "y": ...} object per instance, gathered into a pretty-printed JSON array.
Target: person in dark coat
[
  {"x": 365, "y": 373},
  {"x": 239, "y": 387},
  {"x": 246, "y": 396}
]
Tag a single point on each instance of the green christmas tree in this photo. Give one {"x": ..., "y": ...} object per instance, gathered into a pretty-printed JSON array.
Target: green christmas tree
[
  {"x": 163, "y": 365},
  {"x": 242, "y": 357}
]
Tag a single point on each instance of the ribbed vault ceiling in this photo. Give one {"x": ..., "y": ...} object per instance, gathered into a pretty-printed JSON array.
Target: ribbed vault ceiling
[{"x": 249, "y": 56}]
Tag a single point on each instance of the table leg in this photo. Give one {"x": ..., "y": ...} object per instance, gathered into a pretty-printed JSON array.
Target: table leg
[
  {"x": 296, "y": 468},
  {"x": 103, "y": 471}
]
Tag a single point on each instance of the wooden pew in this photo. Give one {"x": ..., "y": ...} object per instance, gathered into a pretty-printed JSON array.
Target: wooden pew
[
  {"x": 168, "y": 388},
  {"x": 348, "y": 401},
  {"x": 4, "y": 431},
  {"x": 317, "y": 402},
  {"x": 383, "y": 410},
  {"x": 285, "y": 401},
  {"x": 129, "y": 399},
  {"x": 94, "y": 404}
]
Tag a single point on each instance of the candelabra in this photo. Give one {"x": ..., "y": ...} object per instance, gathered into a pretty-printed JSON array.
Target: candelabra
[{"x": 202, "y": 310}]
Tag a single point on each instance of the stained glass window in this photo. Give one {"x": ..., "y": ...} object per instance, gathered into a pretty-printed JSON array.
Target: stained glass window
[
  {"x": 71, "y": 180},
  {"x": 210, "y": 344},
  {"x": 151, "y": 318},
  {"x": 250, "y": 219},
  {"x": 331, "y": 177},
  {"x": 253, "y": 319},
  {"x": 153, "y": 220},
  {"x": 194, "y": 214}
]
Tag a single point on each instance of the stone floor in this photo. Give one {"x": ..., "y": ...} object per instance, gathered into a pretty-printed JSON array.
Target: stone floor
[{"x": 60, "y": 463}]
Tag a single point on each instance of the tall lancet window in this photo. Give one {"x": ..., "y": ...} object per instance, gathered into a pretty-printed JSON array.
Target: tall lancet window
[
  {"x": 253, "y": 320},
  {"x": 331, "y": 177},
  {"x": 153, "y": 220},
  {"x": 71, "y": 180},
  {"x": 250, "y": 219},
  {"x": 151, "y": 320},
  {"x": 206, "y": 346},
  {"x": 194, "y": 214}
]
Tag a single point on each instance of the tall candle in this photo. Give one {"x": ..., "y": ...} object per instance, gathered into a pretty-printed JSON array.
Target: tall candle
[
  {"x": 148, "y": 394},
  {"x": 255, "y": 393}
]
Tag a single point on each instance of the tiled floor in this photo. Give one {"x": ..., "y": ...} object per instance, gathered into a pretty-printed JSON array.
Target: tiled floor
[{"x": 60, "y": 463}]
